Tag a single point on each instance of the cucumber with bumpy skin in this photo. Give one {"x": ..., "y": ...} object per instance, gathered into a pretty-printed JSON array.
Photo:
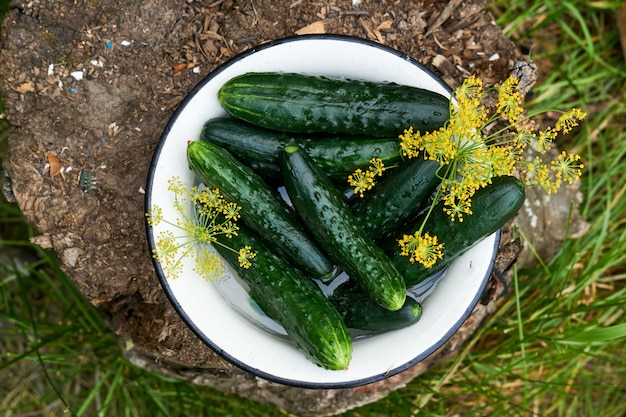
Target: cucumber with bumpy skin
[
  {"x": 261, "y": 148},
  {"x": 396, "y": 198},
  {"x": 492, "y": 206},
  {"x": 292, "y": 300},
  {"x": 333, "y": 226},
  {"x": 262, "y": 209},
  {"x": 360, "y": 312},
  {"x": 302, "y": 103}
]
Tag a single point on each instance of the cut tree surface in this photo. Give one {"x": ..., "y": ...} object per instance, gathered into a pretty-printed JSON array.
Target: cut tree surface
[{"x": 88, "y": 88}]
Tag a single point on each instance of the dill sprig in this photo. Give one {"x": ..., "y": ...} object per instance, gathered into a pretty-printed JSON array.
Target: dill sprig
[
  {"x": 203, "y": 215},
  {"x": 470, "y": 156}
]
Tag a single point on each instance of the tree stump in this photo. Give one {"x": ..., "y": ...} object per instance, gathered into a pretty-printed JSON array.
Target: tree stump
[{"x": 88, "y": 88}]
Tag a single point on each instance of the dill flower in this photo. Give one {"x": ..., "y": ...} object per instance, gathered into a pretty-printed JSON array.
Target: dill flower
[
  {"x": 377, "y": 167},
  {"x": 362, "y": 181},
  {"x": 566, "y": 167},
  {"x": 421, "y": 248},
  {"x": 472, "y": 156},
  {"x": 245, "y": 257},
  {"x": 509, "y": 100},
  {"x": 569, "y": 120},
  {"x": 203, "y": 214}
]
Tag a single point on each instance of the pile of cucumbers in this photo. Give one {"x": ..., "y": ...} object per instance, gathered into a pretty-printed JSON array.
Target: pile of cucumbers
[{"x": 305, "y": 134}]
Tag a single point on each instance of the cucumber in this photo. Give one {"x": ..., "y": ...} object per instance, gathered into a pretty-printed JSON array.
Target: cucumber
[
  {"x": 305, "y": 103},
  {"x": 292, "y": 300},
  {"x": 334, "y": 227},
  {"x": 261, "y": 148},
  {"x": 262, "y": 209},
  {"x": 492, "y": 206},
  {"x": 396, "y": 198},
  {"x": 360, "y": 312}
]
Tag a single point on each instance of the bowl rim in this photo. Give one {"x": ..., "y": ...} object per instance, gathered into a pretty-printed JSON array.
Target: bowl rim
[{"x": 163, "y": 280}]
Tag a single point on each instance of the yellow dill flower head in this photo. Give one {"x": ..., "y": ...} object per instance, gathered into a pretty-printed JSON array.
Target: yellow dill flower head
[
  {"x": 207, "y": 264},
  {"x": 155, "y": 216},
  {"x": 543, "y": 141},
  {"x": 176, "y": 186},
  {"x": 421, "y": 248},
  {"x": 510, "y": 100},
  {"x": 467, "y": 117},
  {"x": 245, "y": 256},
  {"x": 202, "y": 215},
  {"x": 470, "y": 90},
  {"x": 503, "y": 159},
  {"x": 411, "y": 143},
  {"x": 566, "y": 167},
  {"x": 377, "y": 167},
  {"x": 361, "y": 181},
  {"x": 231, "y": 211},
  {"x": 523, "y": 137},
  {"x": 229, "y": 229},
  {"x": 569, "y": 120},
  {"x": 166, "y": 253},
  {"x": 441, "y": 146}
]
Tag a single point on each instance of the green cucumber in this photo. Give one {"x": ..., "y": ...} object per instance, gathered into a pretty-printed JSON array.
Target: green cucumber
[
  {"x": 360, "y": 312},
  {"x": 262, "y": 209},
  {"x": 492, "y": 206},
  {"x": 305, "y": 103},
  {"x": 333, "y": 225},
  {"x": 261, "y": 148},
  {"x": 292, "y": 300},
  {"x": 398, "y": 197}
]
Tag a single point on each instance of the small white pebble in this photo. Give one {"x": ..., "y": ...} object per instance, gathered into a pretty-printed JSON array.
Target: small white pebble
[
  {"x": 77, "y": 75},
  {"x": 494, "y": 57},
  {"x": 125, "y": 43},
  {"x": 141, "y": 190},
  {"x": 196, "y": 70},
  {"x": 50, "y": 69}
]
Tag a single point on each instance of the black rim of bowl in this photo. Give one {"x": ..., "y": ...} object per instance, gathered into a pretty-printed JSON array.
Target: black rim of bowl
[{"x": 180, "y": 310}]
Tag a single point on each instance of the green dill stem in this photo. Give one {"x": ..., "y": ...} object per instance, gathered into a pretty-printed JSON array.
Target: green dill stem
[
  {"x": 449, "y": 169},
  {"x": 430, "y": 210}
]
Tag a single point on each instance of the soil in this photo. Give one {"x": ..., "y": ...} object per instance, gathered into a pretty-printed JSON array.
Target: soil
[{"x": 88, "y": 87}]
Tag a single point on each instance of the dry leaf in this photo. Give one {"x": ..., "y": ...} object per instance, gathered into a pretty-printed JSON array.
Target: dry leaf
[
  {"x": 178, "y": 68},
  {"x": 225, "y": 52},
  {"x": 315, "y": 27},
  {"x": 27, "y": 87},
  {"x": 55, "y": 165},
  {"x": 383, "y": 26}
]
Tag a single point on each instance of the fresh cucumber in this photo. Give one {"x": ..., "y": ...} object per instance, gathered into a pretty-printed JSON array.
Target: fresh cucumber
[
  {"x": 292, "y": 300},
  {"x": 396, "y": 198},
  {"x": 492, "y": 206},
  {"x": 262, "y": 209},
  {"x": 333, "y": 225},
  {"x": 304, "y": 103},
  {"x": 360, "y": 312},
  {"x": 261, "y": 148}
]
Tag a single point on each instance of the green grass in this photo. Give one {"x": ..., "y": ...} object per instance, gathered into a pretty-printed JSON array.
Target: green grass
[{"x": 556, "y": 348}]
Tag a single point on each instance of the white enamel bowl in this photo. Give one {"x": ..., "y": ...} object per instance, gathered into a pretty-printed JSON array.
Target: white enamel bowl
[{"x": 235, "y": 333}]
